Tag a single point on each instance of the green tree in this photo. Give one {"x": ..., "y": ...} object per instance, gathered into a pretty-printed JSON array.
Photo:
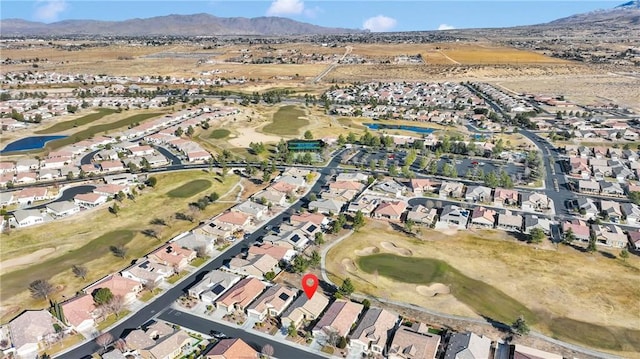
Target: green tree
[
  {"x": 319, "y": 238},
  {"x": 635, "y": 197},
  {"x": 190, "y": 131},
  {"x": 315, "y": 259},
  {"x": 569, "y": 236},
  {"x": 271, "y": 275},
  {"x": 79, "y": 271},
  {"x": 300, "y": 264},
  {"x": 624, "y": 254},
  {"x": 358, "y": 220},
  {"x": 520, "y": 326},
  {"x": 308, "y": 135},
  {"x": 408, "y": 225},
  {"x": 366, "y": 303},
  {"x": 151, "y": 181},
  {"x": 102, "y": 296},
  {"x": 292, "y": 330},
  {"x": 341, "y": 140},
  {"x": 342, "y": 343},
  {"x": 347, "y": 287},
  {"x": 536, "y": 235},
  {"x": 351, "y": 137}
]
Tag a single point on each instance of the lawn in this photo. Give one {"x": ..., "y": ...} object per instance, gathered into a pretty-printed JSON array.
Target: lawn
[
  {"x": 565, "y": 292},
  {"x": 94, "y": 130},
  {"x": 287, "y": 121},
  {"x": 219, "y": 133},
  {"x": 483, "y": 298},
  {"x": 199, "y": 261},
  {"x": 190, "y": 189},
  {"x": 66, "y": 125},
  {"x": 71, "y": 241},
  {"x": 14, "y": 282}
]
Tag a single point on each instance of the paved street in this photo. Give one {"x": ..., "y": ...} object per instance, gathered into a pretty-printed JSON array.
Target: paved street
[
  {"x": 257, "y": 340},
  {"x": 166, "y": 299}
]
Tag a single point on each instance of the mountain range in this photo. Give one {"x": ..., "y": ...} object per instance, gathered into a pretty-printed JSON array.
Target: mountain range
[{"x": 627, "y": 14}]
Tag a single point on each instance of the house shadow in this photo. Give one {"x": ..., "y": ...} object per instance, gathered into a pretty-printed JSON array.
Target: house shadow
[{"x": 607, "y": 255}]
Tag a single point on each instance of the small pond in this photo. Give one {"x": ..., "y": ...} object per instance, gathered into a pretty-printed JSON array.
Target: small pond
[{"x": 29, "y": 143}]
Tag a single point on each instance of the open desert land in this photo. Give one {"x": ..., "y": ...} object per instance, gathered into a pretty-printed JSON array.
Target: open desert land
[
  {"x": 561, "y": 291},
  {"x": 48, "y": 251}
]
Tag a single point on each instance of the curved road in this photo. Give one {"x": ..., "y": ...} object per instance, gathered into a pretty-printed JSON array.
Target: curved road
[
  {"x": 167, "y": 298},
  {"x": 67, "y": 195}
]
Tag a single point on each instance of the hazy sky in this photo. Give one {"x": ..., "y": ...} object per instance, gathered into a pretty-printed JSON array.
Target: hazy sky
[{"x": 387, "y": 15}]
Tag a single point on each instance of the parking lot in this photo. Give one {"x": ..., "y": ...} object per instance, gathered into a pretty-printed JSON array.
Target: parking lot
[{"x": 474, "y": 165}]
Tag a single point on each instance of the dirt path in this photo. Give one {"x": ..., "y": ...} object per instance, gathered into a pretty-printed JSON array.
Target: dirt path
[{"x": 30, "y": 258}]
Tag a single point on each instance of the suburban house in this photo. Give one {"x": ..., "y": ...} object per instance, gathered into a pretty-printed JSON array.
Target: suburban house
[
  {"x": 523, "y": 352},
  {"x": 372, "y": 332},
  {"x": 353, "y": 177},
  {"x": 235, "y": 219},
  {"x": 365, "y": 204},
  {"x": 26, "y": 177},
  {"x": 81, "y": 313},
  {"x": 316, "y": 218},
  {"x": 423, "y": 215},
  {"x": 270, "y": 196},
  {"x": 414, "y": 342},
  {"x": 454, "y": 216},
  {"x": 337, "y": 320},
  {"x": 468, "y": 345},
  {"x": 240, "y": 295},
  {"x": 110, "y": 190},
  {"x": 272, "y": 302},
  {"x": 256, "y": 210},
  {"x": 276, "y": 251},
  {"x": 347, "y": 185},
  {"x": 579, "y": 229},
  {"x": 591, "y": 187},
  {"x": 195, "y": 241},
  {"x": 27, "y": 217},
  {"x": 611, "y": 210},
  {"x": 27, "y": 164},
  {"x": 587, "y": 207},
  {"x": 391, "y": 210},
  {"x": 505, "y": 197},
  {"x": 634, "y": 240},
  {"x": 326, "y": 206},
  {"x": 254, "y": 265},
  {"x": 173, "y": 255},
  {"x": 119, "y": 285},
  {"x": 610, "y": 235},
  {"x": 420, "y": 186},
  {"x": 30, "y": 330},
  {"x": 478, "y": 194},
  {"x": 111, "y": 166},
  {"x": 159, "y": 340},
  {"x": 631, "y": 212},
  {"x": 389, "y": 187},
  {"x": 31, "y": 194},
  {"x": 483, "y": 217},
  {"x": 62, "y": 209},
  {"x": 611, "y": 188},
  {"x": 532, "y": 221},
  {"x": 304, "y": 309},
  {"x": 213, "y": 285},
  {"x": 122, "y": 179},
  {"x": 146, "y": 272},
  {"x": 533, "y": 201},
  {"x": 231, "y": 349},
  {"x": 451, "y": 190},
  {"x": 509, "y": 222}
]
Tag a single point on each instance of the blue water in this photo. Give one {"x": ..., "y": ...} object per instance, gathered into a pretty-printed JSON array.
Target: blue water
[
  {"x": 378, "y": 126},
  {"x": 29, "y": 143}
]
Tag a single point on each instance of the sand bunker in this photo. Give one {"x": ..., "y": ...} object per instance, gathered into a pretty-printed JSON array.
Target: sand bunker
[
  {"x": 249, "y": 135},
  {"x": 367, "y": 251},
  {"x": 349, "y": 265},
  {"x": 433, "y": 290},
  {"x": 390, "y": 246},
  {"x": 27, "y": 259}
]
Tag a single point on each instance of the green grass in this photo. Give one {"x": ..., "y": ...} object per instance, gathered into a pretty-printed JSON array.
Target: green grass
[
  {"x": 481, "y": 297},
  {"x": 189, "y": 189},
  {"x": 63, "y": 126},
  {"x": 609, "y": 337},
  {"x": 14, "y": 282},
  {"x": 220, "y": 133},
  {"x": 286, "y": 122},
  {"x": 199, "y": 261},
  {"x": 176, "y": 277},
  {"x": 94, "y": 130},
  {"x": 111, "y": 319}
]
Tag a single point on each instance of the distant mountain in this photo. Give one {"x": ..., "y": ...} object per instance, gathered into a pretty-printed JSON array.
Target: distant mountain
[
  {"x": 177, "y": 25},
  {"x": 627, "y": 14}
]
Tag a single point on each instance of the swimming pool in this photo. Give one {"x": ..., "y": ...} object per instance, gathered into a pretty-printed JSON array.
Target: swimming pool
[
  {"x": 379, "y": 126},
  {"x": 29, "y": 143}
]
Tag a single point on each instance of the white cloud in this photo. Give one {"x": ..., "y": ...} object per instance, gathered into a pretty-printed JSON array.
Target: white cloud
[
  {"x": 379, "y": 23},
  {"x": 445, "y": 27},
  {"x": 285, "y": 7},
  {"x": 313, "y": 12},
  {"x": 49, "y": 10}
]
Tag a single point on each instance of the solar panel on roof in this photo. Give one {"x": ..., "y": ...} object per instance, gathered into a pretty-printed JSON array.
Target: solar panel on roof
[
  {"x": 283, "y": 296},
  {"x": 295, "y": 238},
  {"x": 217, "y": 289}
]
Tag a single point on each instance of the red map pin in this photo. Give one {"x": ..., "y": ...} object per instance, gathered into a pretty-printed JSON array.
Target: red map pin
[{"x": 309, "y": 284}]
